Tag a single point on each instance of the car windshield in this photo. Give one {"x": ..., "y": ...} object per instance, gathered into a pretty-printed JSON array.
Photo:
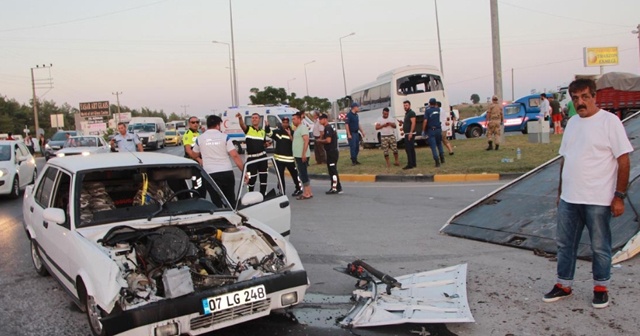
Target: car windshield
[
  {"x": 170, "y": 133},
  {"x": 5, "y": 152},
  {"x": 149, "y": 127},
  {"x": 60, "y": 136},
  {"x": 81, "y": 142},
  {"x": 342, "y": 126},
  {"x": 116, "y": 195}
]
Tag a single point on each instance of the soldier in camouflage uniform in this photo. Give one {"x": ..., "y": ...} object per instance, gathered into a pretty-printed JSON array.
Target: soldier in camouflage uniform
[{"x": 495, "y": 118}]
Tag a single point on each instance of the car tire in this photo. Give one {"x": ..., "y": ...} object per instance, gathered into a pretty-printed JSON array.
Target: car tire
[
  {"x": 15, "y": 188},
  {"x": 35, "y": 176},
  {"x": 37, "y": 260},
  {"x": 474, "y": 132},
  {"x": 93, "y": 312}
]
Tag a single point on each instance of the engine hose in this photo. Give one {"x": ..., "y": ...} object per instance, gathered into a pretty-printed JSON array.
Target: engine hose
[{"x": 385, "y": 278}]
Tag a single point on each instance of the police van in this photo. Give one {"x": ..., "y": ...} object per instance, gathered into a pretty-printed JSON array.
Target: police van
[{"x": 273, "y": 114}]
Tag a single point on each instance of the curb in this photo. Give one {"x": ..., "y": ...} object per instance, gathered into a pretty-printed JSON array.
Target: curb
[{"x": 421, "y": 178}]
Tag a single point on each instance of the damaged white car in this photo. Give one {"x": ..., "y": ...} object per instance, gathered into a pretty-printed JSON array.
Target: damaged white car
[{"x": 147, "y": 244}]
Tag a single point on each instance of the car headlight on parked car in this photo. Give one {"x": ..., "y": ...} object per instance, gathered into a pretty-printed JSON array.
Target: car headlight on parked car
[
  {"x": 3, "y": 172},
  {"x": 289, "y": 299},
  {"x": 170, "y": 329},
  {"x": 60, "y": 155},
  {"x": 153, "y": 137},
  {"x": 86, "y": 153}
]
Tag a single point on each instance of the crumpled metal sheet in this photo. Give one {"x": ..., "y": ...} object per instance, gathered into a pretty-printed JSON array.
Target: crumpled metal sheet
[{"x": 438, "y": 296}]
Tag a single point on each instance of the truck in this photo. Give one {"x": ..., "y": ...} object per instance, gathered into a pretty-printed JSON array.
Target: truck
[
  {"x": 516, "y": 116},
  {"x": 619, "y": 93}
]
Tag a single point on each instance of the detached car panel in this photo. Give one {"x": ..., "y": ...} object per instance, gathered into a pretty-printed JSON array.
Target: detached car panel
[{"x": 148, "y": 245}]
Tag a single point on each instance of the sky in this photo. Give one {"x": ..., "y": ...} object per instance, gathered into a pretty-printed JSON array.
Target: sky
[{"x": 159, "y": 53}]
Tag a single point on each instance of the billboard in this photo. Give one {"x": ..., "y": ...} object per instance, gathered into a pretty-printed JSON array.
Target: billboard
[
  {"x": 94, "y": 109},
  {"x": 600, "y": 56}
]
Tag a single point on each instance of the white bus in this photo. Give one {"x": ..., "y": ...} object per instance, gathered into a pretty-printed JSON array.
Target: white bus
[{"x": 415, "y": 83}]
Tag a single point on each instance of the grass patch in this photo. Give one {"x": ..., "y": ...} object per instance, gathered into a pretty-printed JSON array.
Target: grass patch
[{"x": 470, "y": 157}]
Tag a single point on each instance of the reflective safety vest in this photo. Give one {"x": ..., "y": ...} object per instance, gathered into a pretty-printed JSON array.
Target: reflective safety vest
[
  {"x": 255, "y": 139},
  {"x": 284, "y": 145}
]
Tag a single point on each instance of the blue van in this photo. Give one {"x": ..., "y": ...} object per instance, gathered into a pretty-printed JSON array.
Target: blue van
[{"x": 516, "y": 116}]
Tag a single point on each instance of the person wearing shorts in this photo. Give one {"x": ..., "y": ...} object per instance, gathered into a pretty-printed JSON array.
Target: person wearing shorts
[{"x": 387, "y": 128}]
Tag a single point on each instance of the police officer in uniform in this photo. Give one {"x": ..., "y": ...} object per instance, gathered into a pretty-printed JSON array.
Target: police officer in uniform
[
  {"x": 189, "y": 139},
  {"x": 127, "y": 142},
  {"x": 495, "y": 118},
  {"x": 432, "y": 127},
  {"x": 283, "y": 155},
  {"x": 256, "y": 141},
  {"x": 330, "y": 141}
]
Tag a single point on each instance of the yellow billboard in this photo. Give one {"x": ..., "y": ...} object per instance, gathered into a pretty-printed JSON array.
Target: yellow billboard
[{"x": 600, "y": 56}]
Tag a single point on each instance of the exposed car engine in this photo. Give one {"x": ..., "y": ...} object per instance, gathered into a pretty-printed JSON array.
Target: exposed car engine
[{"x": 171, "y": 261}]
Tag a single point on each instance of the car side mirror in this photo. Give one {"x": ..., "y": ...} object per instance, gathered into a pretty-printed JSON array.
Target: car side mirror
[
  {"x": 55, "y": 215},
  {"x": 252, "y": 197}
]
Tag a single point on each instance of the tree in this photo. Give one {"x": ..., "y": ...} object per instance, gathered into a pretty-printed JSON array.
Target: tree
[
  {"x": 270, "y": 96},
  {"x": 173, "y": 116},
  {"x": 475, "y": 98}
]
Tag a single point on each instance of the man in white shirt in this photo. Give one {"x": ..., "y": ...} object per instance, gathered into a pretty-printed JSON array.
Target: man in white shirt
[
  {"x": 318, "y": 131},
  {"x": 387, "y": 128},
  {"x": 215, "y": 148},
  {"x": 544, "y": 106},
  {"x": 594, "y": 174}
]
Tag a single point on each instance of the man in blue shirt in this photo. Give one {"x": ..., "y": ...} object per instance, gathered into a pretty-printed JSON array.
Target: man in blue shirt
[
  {"x": 353, "y": 126},
  {"x": 431, "y": 126}
]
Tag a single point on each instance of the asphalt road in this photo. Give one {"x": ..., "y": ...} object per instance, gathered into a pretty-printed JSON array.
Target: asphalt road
[{"x": 394, "y": 227}]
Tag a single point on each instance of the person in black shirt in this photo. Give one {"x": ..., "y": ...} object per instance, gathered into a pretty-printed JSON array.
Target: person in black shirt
[
  {"x": 330, "y": 141},
  {"x": 283, "y": 155},
  {"x": 409, "y": 128}
]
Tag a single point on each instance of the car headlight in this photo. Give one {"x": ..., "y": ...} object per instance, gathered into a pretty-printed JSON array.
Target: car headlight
[
  {"x": 60, "y": 155},
  {"x": 3, "y": 172},
  {"x": 153, "y": 137},
  {"x": 289, "y": 298},
  {"x": 86, "y": 153},
  {"x": 47, "y": 146}
]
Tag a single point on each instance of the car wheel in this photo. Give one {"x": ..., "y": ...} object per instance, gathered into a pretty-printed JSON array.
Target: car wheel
[
  {"x": 15, "y": 189},
  {"x": 474, "y": 132},
  {"x": 37, "y": 260},
  {"x": 35, "y": 176},
  {"x": 94, "y": 313}
]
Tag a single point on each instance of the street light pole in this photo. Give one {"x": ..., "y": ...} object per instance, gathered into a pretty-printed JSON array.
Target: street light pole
[
  {"x": 117, "y": 94},
  {"x": 233, "y": 59},
  {"x": 637, "y": 31},
  {"x": 306, "y": 81},
  {"x": 288, "y": 81},
  {"x": 233, "y": 93},
  {"x": 35, "y": 98},
  {"x": 439, "y": 46},
  {"x": 344, "y": 76}
]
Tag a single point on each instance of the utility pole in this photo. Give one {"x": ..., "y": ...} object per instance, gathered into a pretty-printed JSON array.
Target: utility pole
[
  {"x": 495, "y": 41},
  {"x": 184, "y": 114},
  {"x": 439, "y": 46},
  {"x": 344, "y": 76},
  {"x": 637, "y": 31},
  {"x": 512, "y": 86},
  {"x": 117, "y": 94},
  {"x": 35, "y": 97},
  {"x": 233, "y": 55}
]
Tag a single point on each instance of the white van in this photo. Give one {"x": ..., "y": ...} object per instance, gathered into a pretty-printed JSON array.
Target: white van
[
  {"x": 274, "y": 115},
  {"x": 150, "y": 130}
]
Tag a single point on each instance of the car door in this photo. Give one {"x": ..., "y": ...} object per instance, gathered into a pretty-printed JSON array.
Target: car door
[
  {"x": 24, "y": 166},
  {"x": 272, "y": 209},
  {"x": 58, "y": 236}
]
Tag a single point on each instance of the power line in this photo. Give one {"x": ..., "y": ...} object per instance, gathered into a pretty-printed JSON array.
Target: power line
[
  {"x": 561, "y": 16},
  {"x": 82, "y": 19}
]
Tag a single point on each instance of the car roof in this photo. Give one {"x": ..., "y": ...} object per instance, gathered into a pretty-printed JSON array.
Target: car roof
[{"x": 116, "y": 160}]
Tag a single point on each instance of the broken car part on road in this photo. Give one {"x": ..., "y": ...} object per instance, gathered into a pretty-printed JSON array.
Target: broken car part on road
[{"x": 438, "y": 296}]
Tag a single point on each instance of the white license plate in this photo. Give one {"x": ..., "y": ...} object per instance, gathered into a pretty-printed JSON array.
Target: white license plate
[{"x": 225, "y": 301}]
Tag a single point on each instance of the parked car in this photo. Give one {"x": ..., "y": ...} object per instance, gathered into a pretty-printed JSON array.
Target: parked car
[
  {"x": 57, "y": 142},
  {"x": 83, "y": 145},
  {"x": 17, "y": 168},
  {"x": 146, "y": 244},
  {"x": 341, "y": 130},
  {"x": 17, "y": 137},
  {"x": 172, "y": 137}
]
